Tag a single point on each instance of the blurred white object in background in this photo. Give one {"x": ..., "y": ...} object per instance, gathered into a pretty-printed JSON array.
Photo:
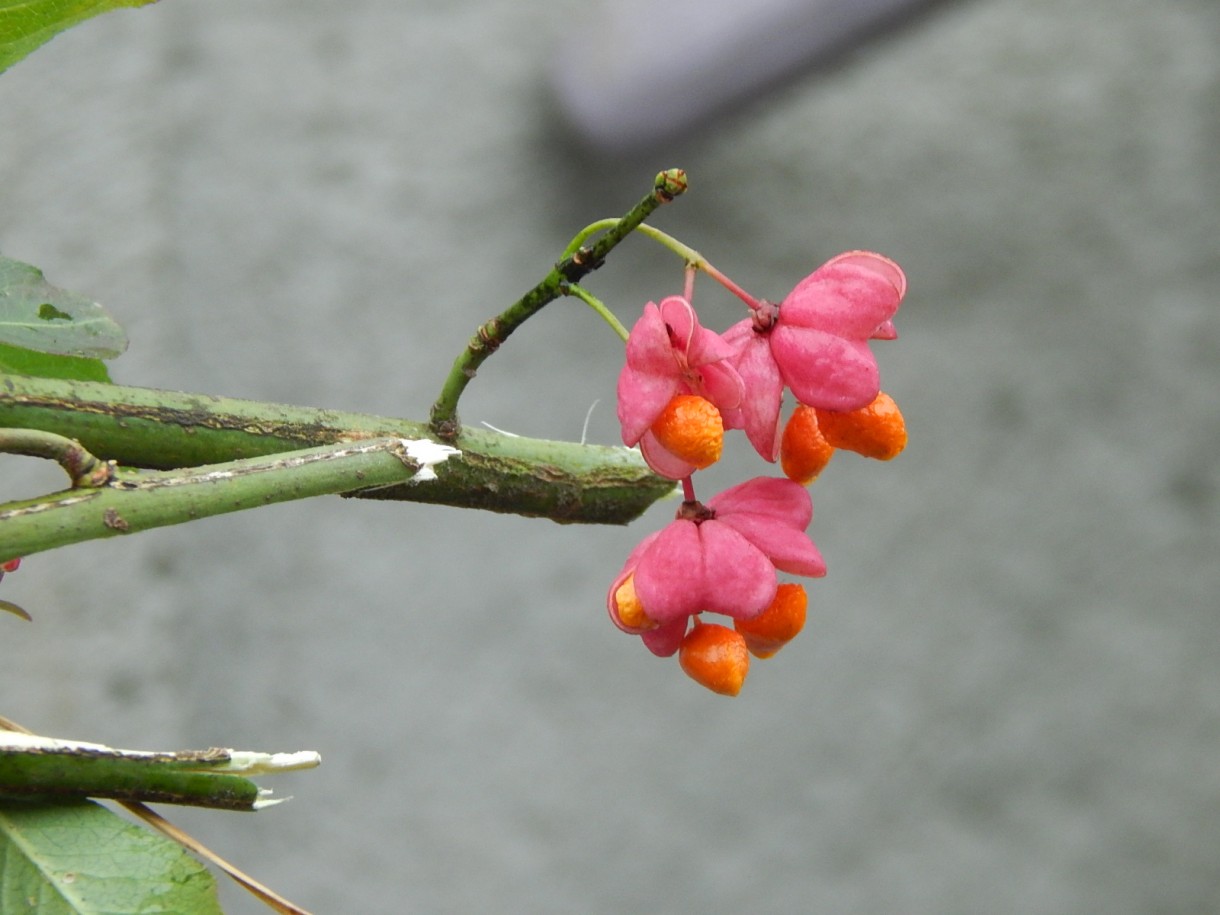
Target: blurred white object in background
[{"x": 633, "y": 72}]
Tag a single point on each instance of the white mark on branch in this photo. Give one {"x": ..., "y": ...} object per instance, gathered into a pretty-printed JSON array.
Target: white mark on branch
[
  {"x": 46, "y": 506},
  {"x": 426, "y": 454},
  {"x": 255, "y": 466},
  {"x": 213, "y": 759}
]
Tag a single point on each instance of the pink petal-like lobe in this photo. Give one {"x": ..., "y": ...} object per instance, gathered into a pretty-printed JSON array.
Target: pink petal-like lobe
[
  {"x": 664, "y": 641},
  {"x": 680, "y": 321},
  {"x": 739, "y": 578},
  {"x": 662, "y": 461},
  {"x": 703, "y": 568},
  {"x": 879, "y": 264},
  {"x": 772, "y": 514},
  {"x": 788, "y": 549},
  {"x": 824, "y": 370},
  {"x": 776, "y": 498},
  {"x": 849, "y": 295},
  {"x": 760, "y": 407}
]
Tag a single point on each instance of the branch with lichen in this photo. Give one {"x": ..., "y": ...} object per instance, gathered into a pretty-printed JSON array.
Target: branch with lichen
[{"x": 173, "y": 461}]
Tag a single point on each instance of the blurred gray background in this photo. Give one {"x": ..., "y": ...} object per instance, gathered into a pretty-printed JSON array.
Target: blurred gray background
[{"x": 1007, "y": 698}]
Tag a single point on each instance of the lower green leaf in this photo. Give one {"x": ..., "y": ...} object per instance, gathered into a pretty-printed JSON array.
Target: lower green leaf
[
  {"x": 21, "y": 361},
  {"x": 82, "y": 859}
]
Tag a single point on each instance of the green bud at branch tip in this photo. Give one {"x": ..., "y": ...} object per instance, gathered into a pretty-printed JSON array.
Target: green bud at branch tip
[{"x": 670, "y": 184}]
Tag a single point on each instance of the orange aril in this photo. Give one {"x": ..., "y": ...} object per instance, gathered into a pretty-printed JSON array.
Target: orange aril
[
  {"x": 778, "y": 625},
  {"x": 803, "y": 450},
  {"x": 715, "y": 656},
  {"x": 876, "y": 431},
  {"x": 691, "y": 428},
  {"x": 629, "y": 608}
]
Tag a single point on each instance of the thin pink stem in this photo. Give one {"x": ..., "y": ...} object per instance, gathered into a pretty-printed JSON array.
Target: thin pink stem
[
  {"x": 688, "y": 489},
  {"x": 732, "y": 287}
]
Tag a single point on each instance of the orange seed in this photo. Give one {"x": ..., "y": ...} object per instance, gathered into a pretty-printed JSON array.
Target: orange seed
[
  {"x": 803, "y": 450},
  {"x": 876, "y": 431},
  {"x": 691, "y": 428},
  {"x": 778, "y": 625},
  {"x": 715, "y": 656},
  {"x": 630, "y": 611}
]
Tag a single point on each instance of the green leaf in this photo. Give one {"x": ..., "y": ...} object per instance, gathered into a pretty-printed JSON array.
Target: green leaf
[
  {"x": 37, "y": 316},
  {"x": 82, "y": 859},
  {"x": 27, "y": 24},
  {"x": 18, "y": 361}
]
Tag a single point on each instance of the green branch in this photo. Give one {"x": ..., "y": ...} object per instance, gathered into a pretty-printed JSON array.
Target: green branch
[
  {"x": 283, "y": 453},
  {"x": 571, "y": 269},
  {"x": 136, "y": 500},
  {"x": 34, "y": 768},
  {"x": 82, "y": 468}
]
